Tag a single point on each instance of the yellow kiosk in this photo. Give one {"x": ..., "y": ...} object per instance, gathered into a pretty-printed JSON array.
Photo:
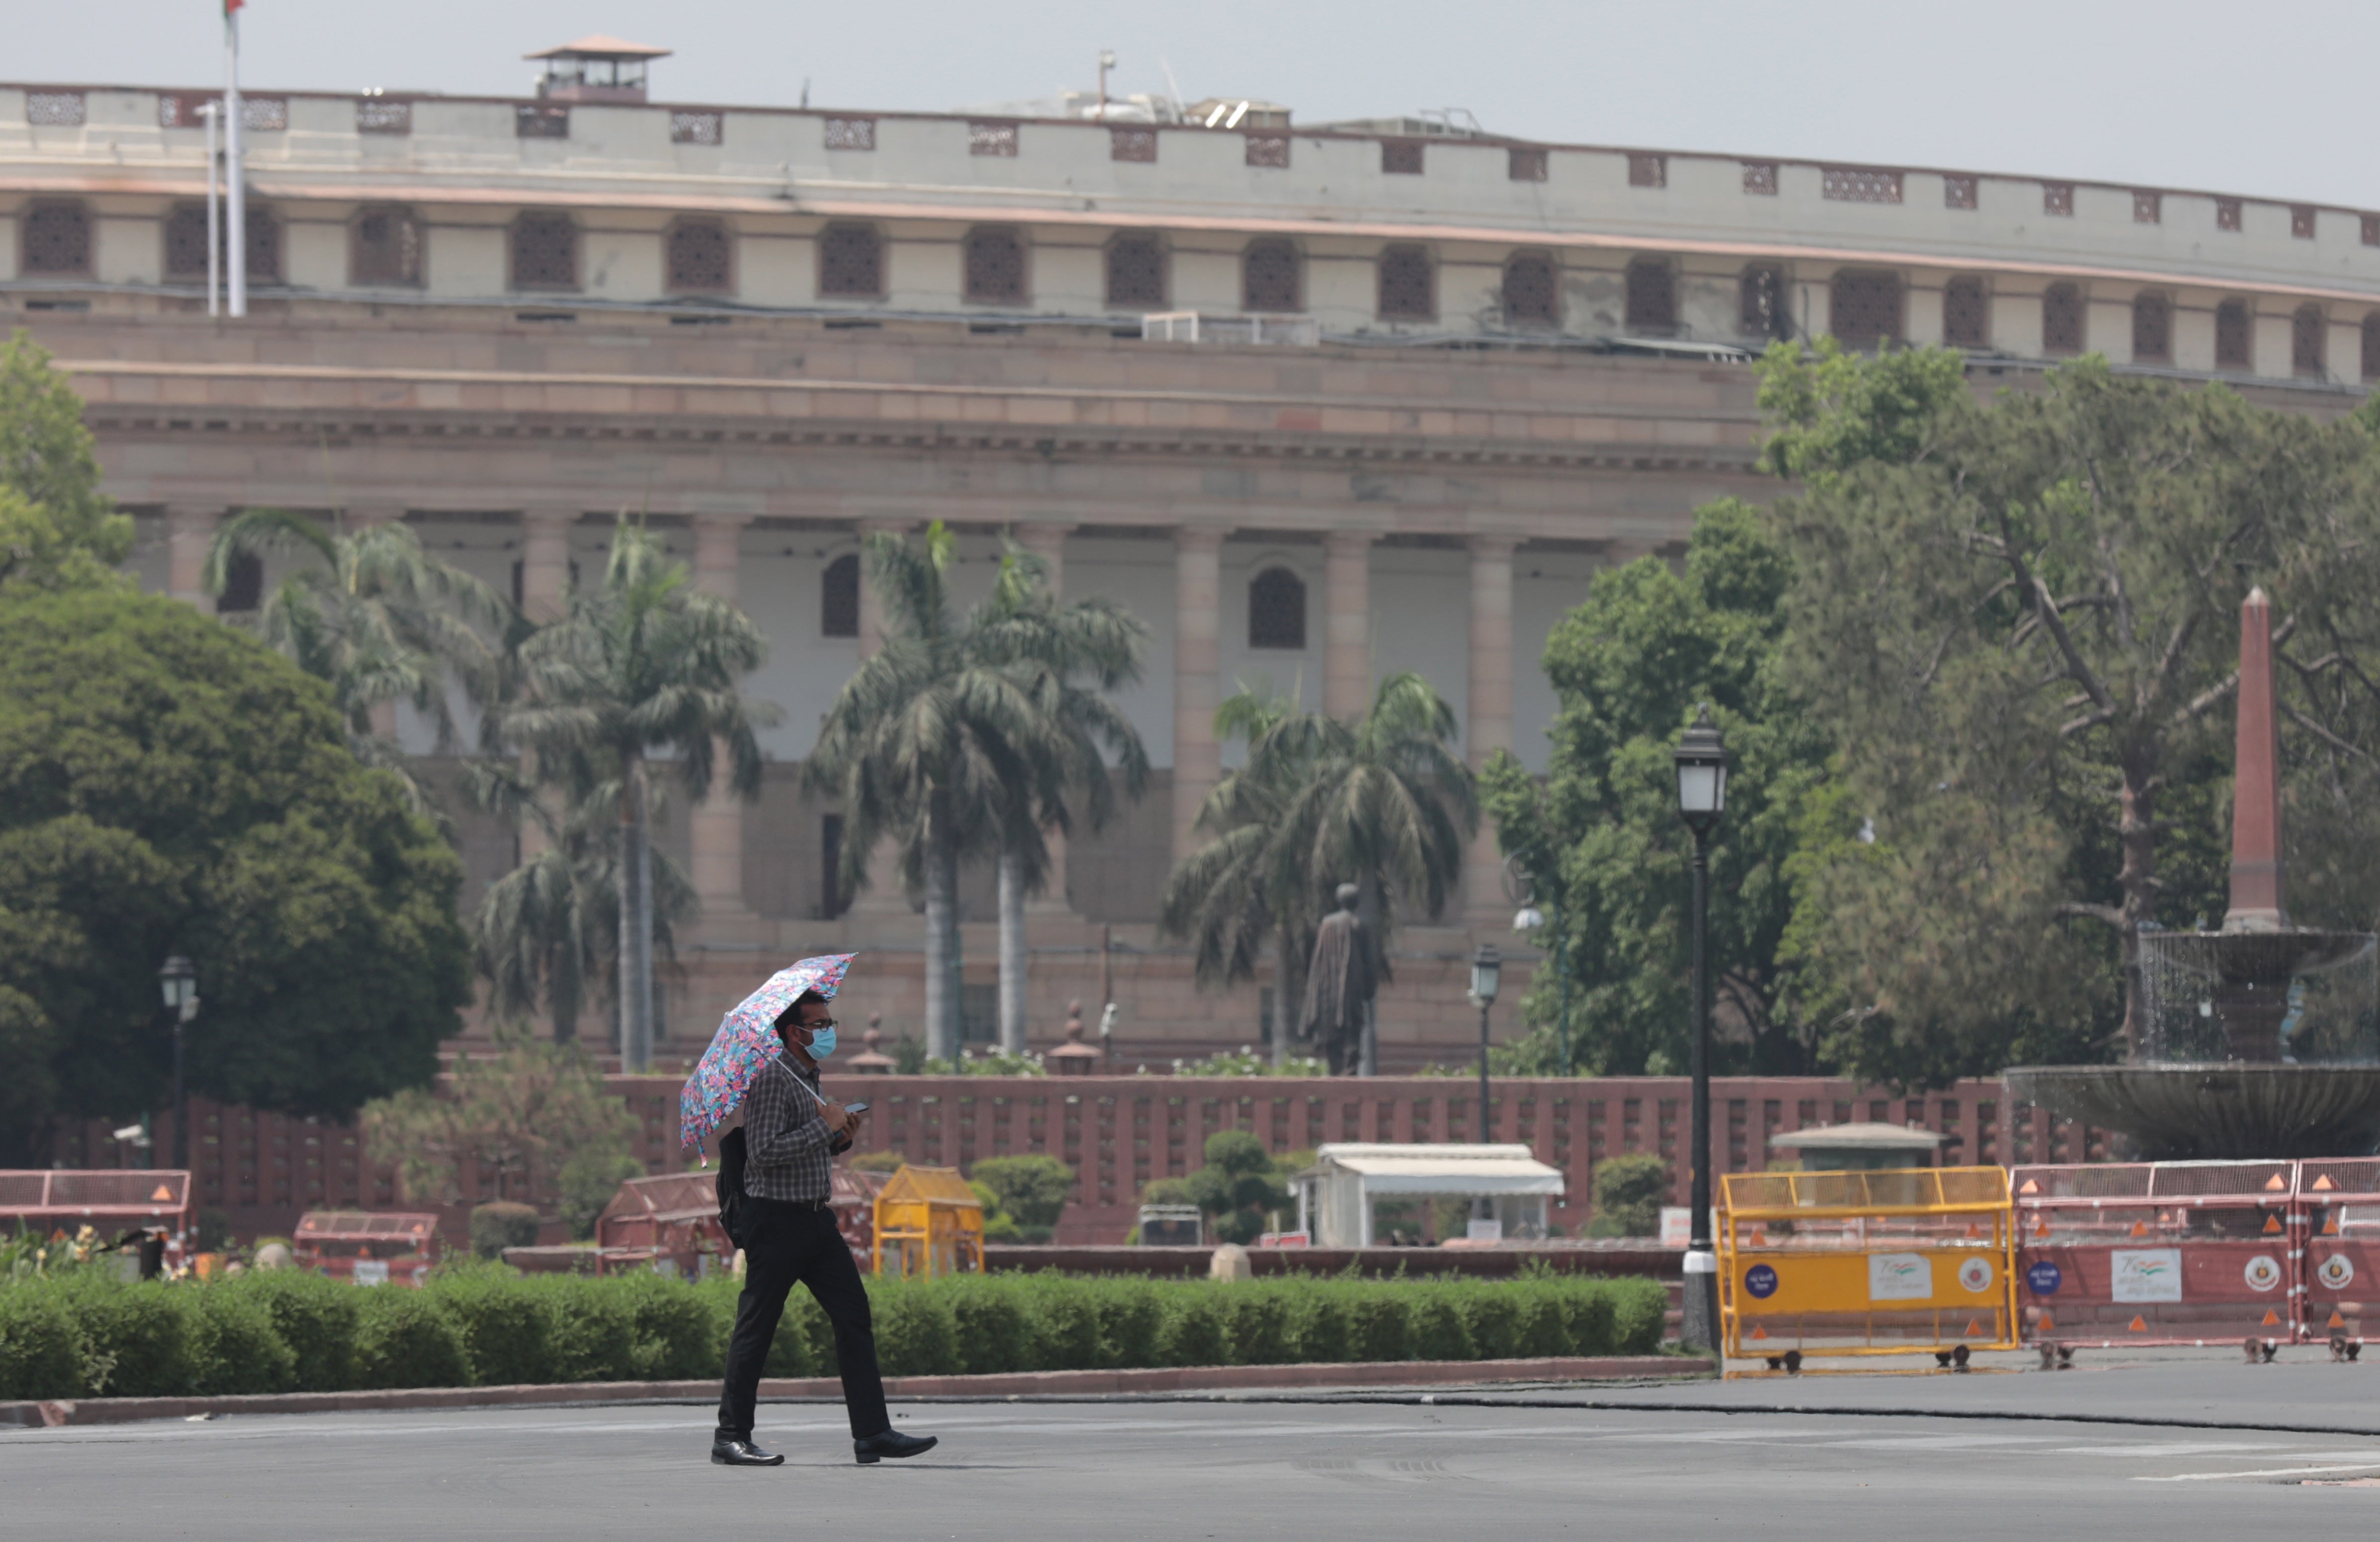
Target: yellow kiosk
[{"x": 928, "y": 1222}]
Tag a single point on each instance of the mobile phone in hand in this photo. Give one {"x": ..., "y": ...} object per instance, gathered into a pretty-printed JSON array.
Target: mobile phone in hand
[{"x": 855, "y": 1107}]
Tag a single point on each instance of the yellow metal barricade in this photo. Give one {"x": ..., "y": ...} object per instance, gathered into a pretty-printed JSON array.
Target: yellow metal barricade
[{"x": 1897, "y": 1262}]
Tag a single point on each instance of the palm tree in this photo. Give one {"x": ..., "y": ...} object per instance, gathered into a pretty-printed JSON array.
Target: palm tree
[
  {"x": 546, "y": 933},
  {"x": 377, "y": 617},
  {"x": 965, "y": 737},
  {"x": 639, "y": 663},
  {"x": 1384, "y": 802}
]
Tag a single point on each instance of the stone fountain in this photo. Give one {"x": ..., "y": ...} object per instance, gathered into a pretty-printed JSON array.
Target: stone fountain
[{"x": 2259, "y": 1038}]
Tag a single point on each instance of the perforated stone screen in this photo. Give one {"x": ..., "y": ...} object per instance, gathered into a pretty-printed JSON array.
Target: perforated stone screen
[
  {"x": 2371, "y": 347},
  {"x": 1401, "y": 157},
  {"x": 2301, "y": 221},
  {"x": 386, "y": 247},
  {"x": 2061, "y": 318},
  {"x": 2234, "y": 336},
  {"x": 1132, "y": 144},
  {"x": 995, "y": 266},
  {"x": 851, "y": 262},
  {"x": 991, "y": 138},
  {"x": 1966, "y": 313},
  {"x": 185, "y": 241},
  {"x": 1958, "y": 192},
  {"x": 1267, "y": 149},
  {"x": 54, "y": 109},
  {"x": 378, "y": 115},
  {"x": 1277, "y": 610},
  {"x": 541, "y": 120},
  {"x": 1760, "y": 303},
  {"x": 1865, "y": 309},
  {"x": 545, "y": 252},
  {"x": 2307, "y": 333},
  {"x": 1532, "y": 297},
  {"x": 2058, "y": 200},
  {"x": 2148, "y": 208},
  {"x": 851, "y": 133},
  {"x": 1269, "y": 276},
  {"x": 1408, "y": 284},
  {"x": 698, "y": 128},
  {"x": 1137, "y": 272},
  {"x": 2152, "y": 329},
  {"x": 697, "y": 253},
  {"x": 2227, "y": 213},
  {"x": 1760, "y": 178},
  {"x": 1525, "y": 165},
  {"x": 1648, "y": 170},
  {"x": 57, "y": 239},
  {"x": 1860, "y": 184},
  {"x": 1652, "y": 307}
]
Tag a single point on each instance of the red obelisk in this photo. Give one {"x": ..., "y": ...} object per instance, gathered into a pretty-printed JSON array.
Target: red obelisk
[{"x": 2256, "y": 780}]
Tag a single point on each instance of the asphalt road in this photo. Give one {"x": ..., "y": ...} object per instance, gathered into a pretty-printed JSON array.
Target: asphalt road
[{"x": 1263, "y": 1468}]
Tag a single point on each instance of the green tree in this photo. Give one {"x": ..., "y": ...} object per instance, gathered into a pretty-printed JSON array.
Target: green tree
[
  {"x": 1033, "y": 1190},
  {"x": 1240, "y": 1188},
  {"x": 636, "y": 663},
  {"x": 1629, "y": 667},
  {"x": 167, "y": 784},
  {"x": 965, "y": 737},
  {"x": 2019, "y": 621},
  {"x": 1384, "y": 802},
  {"x": 376, "y": 617},
  {"x": 530, "y": 1112},
  {"x": 57, "y": 531}
]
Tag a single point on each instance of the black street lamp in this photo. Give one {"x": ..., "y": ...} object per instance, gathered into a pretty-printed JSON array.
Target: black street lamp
[
  {"x": 1487, "y": 972},
  {"x": 1702, "y": 799},
  {"x": 178, "y": 980}
]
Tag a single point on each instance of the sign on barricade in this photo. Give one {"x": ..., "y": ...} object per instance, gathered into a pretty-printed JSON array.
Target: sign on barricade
[
  {"x": 2339, "y": 1202},
  {"x": 1893, "y": 1262},
  {"x": 2118, "y": 1254}
]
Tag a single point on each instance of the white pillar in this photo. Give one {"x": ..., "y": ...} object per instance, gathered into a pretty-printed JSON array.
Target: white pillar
[
  {"x": 1198, "y": 664},
  {"x": 717, "y": 822},
  {"x": 1488, "y": 727},
  {"x": 1347, "y": 624},
  {"x": 189, "y": 535}
]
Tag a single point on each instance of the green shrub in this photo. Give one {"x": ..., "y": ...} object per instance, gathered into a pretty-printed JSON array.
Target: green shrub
[
  {"x": 591, "y": 1328},
  {"x": 1033, "y": 1189},
  {"x": 1379, "y": 1322},
  {"x": 39, "y": 1353},
  {"x": 915, "y": 1333},
  {"x": 1323, "y": 1330},
  {"x": 1640, "y": 1315},
  {"x": 316, "y": 1318},
  {"x": 1259, "y": 1323},
  {"x": 234, "y": 1346},
  {"x": 1493, "y": 1313},
  {"x": 1437, "y": 1330},
  {"x": 1194, "y": 1332},
  {"x": 404, "y": 1338},
  {"x": 1629, "y": 1191},
  {"x": 502, "y": 1224},
  {"x": 1132, "y": 1321},
  {"x": 506, "y": 1330},
  {"x": 676, "y": 1339},
  {"x": 993, "y": 1330},
  {"x": 134, "y": 1336},
  {"x": 1068, "y": 1337}
]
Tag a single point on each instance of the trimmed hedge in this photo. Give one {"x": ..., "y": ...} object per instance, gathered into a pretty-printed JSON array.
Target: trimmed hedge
[{"x": 486, "y": 1325}]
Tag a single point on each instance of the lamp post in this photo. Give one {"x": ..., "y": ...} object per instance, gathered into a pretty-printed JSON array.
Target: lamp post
[
  {"x": 1487, "y": 972},
  {"x": 1702, "y": 799},
  {"x": 178, "y": 981}
]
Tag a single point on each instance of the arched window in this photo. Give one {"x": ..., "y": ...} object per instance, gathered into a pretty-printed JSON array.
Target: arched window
[
  {"x": 2151, "y": 328},
  {"x": 851, "y": 262},
  {"x": 2306, "y": 337},
  {"x": 1137, "y": 272},
  {"x": 185, "y": 243},
  {"x": 1865, "y": 309},
  {"x": 55, "y": 240},
  {"x": 2372, "y": 345},
  {"x": 384, "y": 247},
  {"x": 839, "y": 598},
  {"x": 2061, "y": 318},
  {"x": 994, "y": 260},
  {"x": 1652, "y": 298},
  {"x": 1269, "y": 276},
  {"x": 2234, "y": 336},
  {"x": 1277, "y": 610},
  {"x": 545, "y": 252},
  {"x": 1408, "y": 286},
  {"x": 1966, "y": 314},
  {"x": 1532, "y": 291},
  {"x": 1761, "y": 310},
  {"x": 698, "y": 253}
]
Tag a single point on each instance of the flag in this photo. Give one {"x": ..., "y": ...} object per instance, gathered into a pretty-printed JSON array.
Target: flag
[{"x": 231, "y": 6}]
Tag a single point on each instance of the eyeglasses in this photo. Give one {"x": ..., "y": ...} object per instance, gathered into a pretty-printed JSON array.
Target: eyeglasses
[{"x": 823, "y": 1023}]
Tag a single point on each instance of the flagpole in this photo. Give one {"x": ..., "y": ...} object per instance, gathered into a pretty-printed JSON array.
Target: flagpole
[
  {"x": 235, "y": 172},
  {"x": 213, "y": 111}
]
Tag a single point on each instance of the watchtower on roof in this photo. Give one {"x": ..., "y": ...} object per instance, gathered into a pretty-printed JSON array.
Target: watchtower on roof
[{"x": 597, "y": 68}]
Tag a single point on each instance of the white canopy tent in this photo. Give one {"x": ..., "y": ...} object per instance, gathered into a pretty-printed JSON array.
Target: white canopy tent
[{"x": 1336, "y": 1194}]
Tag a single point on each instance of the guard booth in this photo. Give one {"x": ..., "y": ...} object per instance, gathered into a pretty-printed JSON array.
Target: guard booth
[
  {"x": 1335, "y": 1196},
  {"x": 366, "y": 1247},
  {"x": 2116, "y": 1254},
  {"x": 154, "y": 1202},
  {"x": 928, "y": 1222},
  {"x": 2338, "y": 1214},
  {"x": 1891, "y": 1262}
]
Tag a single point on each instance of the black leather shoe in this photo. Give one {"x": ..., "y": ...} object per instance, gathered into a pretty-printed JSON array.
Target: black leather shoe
[
  {"x": 742, "y": 1453},
  {"x": 892, "y": 1443}
]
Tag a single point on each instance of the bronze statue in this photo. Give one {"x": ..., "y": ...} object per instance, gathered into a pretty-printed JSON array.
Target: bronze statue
[{"x": 1340, "y": 981}]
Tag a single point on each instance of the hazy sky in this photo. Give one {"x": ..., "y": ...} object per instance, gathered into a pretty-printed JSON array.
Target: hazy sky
[{"x": 2269, "y": 99}]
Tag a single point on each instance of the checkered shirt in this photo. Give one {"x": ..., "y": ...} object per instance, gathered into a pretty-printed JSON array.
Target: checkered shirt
[{"x": 786, "y": 1136}]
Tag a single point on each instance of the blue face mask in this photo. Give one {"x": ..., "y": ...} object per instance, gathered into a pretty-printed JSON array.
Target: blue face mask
[{"x": 821, "y": 1044}]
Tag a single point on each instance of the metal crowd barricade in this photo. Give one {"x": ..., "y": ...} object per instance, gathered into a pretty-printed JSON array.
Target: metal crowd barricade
[
  {"x": 1894, "y": 1262},
  {"x": 2113, "y": 1254},
  {"x": 2338, "y": 1214}
]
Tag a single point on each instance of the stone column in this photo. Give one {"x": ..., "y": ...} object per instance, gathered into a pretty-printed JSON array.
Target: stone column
[
  {"x": 718, "y": 821},
  {"x": 1198, "y": 664},
  {"x": 883, "y": 898},
  {"x": 1048, "y": 541},
  {"x": 1347, "y": 624},
  {"x": 545, "y": 582},
  {"x": 189, "y": 535},
  {"x": 1488, "y": 727},
  {"x": 2257, "y": 903}
]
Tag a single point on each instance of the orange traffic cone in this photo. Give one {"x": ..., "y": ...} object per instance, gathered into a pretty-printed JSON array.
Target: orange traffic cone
[
  {"x": 2140, "y": 1325},
  {"x": 2272, "y": 1225}
]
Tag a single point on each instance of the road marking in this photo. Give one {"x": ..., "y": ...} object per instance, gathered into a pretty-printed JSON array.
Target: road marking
[{"x": 2261, "y": 1472}]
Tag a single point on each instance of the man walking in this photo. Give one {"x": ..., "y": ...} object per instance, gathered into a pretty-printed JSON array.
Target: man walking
[{"x": 790, "y": 1133}]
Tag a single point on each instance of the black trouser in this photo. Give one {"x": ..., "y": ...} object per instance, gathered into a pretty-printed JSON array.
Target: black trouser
[{"x": 785, "y": 1243}]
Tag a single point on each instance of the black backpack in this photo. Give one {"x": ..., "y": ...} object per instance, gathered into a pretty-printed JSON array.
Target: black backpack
[{"x": 731, "y": 1185}]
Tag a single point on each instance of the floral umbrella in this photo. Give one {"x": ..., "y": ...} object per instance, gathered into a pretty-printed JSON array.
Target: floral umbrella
[{"x": 746, "y": 1041}]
